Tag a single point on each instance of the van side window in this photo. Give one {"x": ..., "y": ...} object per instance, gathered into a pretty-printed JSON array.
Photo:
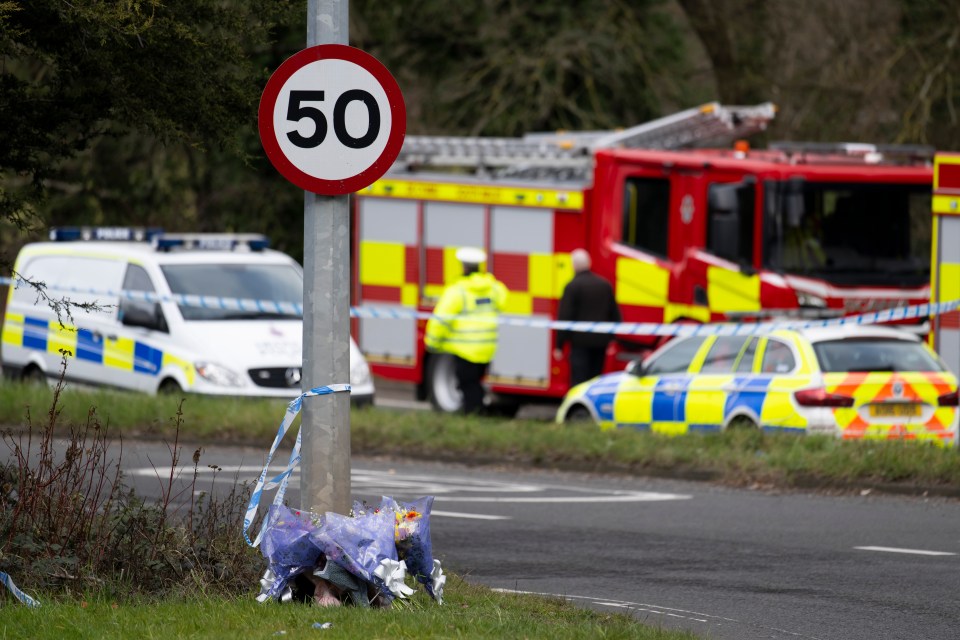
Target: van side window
[
  {"x": 65, "y": 277},
  {"x": 137, "y": 279},
  {"x": 646, "y": 214},
  {"x": 140, "y": 312}
]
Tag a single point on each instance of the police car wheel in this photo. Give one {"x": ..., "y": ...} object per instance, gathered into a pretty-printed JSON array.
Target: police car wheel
[
  {"x": 577, "y": 414},
  {"x": 442, "y": 387},
  {"x": 742, "y": 423}
]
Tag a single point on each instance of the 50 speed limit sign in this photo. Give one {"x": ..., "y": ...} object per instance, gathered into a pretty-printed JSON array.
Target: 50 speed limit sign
[{"x": 332, "y": 119}]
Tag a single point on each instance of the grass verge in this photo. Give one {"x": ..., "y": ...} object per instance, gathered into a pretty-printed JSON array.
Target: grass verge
[
  {"x": 103, "y": 563},
  {"x": 740, "y": 458},
  {"x": 468, "y": 612}
]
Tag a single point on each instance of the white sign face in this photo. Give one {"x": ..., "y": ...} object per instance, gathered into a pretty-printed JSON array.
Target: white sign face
[{"x": 332, "y": 119}]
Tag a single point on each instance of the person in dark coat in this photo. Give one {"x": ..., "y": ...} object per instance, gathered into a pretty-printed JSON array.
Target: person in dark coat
[{"x": 586, "y": 298}]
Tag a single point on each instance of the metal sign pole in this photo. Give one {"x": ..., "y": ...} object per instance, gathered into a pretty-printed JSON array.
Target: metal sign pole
[{"x": 325, "y": 463}]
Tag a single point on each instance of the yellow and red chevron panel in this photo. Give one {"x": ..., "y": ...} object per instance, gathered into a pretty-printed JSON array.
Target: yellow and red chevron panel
[{"x": 914, "y": 391}]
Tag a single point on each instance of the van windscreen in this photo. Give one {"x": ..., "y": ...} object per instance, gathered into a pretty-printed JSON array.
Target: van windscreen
[{"x": 272, "y": 282}]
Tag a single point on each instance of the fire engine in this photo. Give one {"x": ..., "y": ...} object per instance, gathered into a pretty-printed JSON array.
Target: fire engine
[{"x": 684, "y": 232}]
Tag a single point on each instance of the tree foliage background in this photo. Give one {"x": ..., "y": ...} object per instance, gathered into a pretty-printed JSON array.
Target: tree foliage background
[{"x": 143, "y": 112}]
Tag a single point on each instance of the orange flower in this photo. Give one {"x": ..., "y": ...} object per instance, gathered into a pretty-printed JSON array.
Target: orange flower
[{"x": 412, "y": 515}]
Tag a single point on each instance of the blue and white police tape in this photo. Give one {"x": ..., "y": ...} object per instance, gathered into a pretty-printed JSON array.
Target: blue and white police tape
[
  {"x": 187, "y": 300},
  {"x": 917, "y": 311},
  {"x": 17, "y": 593},
  {"x": 281, "y": 480},
  {"x": 924, "y": 310}
]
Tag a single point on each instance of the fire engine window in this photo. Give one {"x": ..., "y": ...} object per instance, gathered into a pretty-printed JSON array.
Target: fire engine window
[
  {"x": 646, "y": 214},
  {"x": 723, "y": 354},
  {"x": 730, "y": 213},
  {"x": 820, "y": 230}
]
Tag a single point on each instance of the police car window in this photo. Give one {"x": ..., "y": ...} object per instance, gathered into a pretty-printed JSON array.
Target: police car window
[
  {"x": 278, "y": 286},
  {"x": 745, "y": 364},
  {"x": 777, "y": 358},
  {"x": 723, "y": 354},
  {"x": 676, "y": 358},
  {"x": 874, "y": 354}
]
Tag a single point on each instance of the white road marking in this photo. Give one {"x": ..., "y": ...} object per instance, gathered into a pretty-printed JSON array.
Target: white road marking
[
  {"x": 672, "y": 612},
  {"x": 450, "y": 488},
  {"x": 919, "y": 552},
  {"x": 625, "y": 604},
  {"x": 620, "y": 496},
  {"x": 471, "y": 516}
]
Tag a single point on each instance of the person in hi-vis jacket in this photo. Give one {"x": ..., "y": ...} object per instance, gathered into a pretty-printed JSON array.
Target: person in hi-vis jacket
[{"x": 465, "y": 323}]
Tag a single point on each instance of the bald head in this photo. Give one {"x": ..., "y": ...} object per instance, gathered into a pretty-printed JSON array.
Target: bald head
[{"x": 581, "y": 260}]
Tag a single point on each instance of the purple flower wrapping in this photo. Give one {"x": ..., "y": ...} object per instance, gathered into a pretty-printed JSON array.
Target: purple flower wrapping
[
  {"x": 358, "y": 544},
  {"x": 287, "y": 545},
  {"x": 294, "y": 541}
]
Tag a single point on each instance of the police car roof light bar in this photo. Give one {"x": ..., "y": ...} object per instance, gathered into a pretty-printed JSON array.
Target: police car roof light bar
[{"x": 115, "y": 234}]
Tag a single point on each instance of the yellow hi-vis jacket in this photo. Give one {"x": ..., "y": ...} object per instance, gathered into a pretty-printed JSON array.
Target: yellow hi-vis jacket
[{"x": 465, "y": 318}]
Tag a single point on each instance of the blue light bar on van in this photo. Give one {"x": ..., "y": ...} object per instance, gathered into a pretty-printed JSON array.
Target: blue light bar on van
[
  {"x": 119, "y": 234},
  {"x": 211, "y": 242}
]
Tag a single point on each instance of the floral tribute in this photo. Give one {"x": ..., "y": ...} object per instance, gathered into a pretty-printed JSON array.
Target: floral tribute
[{"x": 362, "y": 559}]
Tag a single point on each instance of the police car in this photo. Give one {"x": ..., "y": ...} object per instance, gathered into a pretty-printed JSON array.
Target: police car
[
  {"x": 850, "y": 381},
  {"x": 216, "y": 314}
]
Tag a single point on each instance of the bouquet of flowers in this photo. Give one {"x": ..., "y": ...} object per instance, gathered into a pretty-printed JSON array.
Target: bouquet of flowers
[
  {"x": 412, "y": 538},
  {"x": 364, "y": 557}
]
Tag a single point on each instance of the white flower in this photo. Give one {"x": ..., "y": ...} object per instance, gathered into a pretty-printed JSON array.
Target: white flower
[
  {"x": 393, "y": 574},
  {"x": 437, "y": 579}
]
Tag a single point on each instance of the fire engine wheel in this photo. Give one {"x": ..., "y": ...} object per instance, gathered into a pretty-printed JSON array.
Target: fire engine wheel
[{"x": 442, "y": 389}]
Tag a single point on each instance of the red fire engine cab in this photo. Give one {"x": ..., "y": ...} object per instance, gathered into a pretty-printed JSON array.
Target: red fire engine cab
[{"x": 684, "y": 234}]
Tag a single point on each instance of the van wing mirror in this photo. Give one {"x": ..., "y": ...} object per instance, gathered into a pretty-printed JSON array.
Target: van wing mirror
[{"x": 134, "y": 313}]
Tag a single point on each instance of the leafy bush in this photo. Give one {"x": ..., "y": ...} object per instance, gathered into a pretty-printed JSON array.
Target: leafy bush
[{"x": 68, "y": 523}]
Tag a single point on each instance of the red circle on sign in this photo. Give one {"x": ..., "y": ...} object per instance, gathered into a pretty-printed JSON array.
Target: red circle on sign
[{"x": 268, "y": 133}]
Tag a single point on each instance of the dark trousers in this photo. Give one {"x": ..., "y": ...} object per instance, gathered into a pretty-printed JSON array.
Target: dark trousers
[
  {"x": 469, "y": 375},
  {"x": 586, "y": 363}
]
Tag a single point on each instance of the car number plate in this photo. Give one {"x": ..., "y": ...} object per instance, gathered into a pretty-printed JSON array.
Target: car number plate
[{"x": 894, "y": 410}]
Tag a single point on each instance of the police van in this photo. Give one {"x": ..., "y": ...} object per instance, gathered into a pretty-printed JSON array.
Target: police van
[{"x": 217, "y": 314}]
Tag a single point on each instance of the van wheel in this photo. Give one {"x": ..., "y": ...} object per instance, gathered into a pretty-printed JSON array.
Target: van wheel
[
  {"x": 169, "y": 387},
  {"x": 33, "y": 375},
  {"x": 442, "y": 389},
  {"x": 577, "y": 414}
]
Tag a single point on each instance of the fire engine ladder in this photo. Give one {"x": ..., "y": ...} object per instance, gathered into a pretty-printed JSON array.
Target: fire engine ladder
[{"x": 711, "y": 122}]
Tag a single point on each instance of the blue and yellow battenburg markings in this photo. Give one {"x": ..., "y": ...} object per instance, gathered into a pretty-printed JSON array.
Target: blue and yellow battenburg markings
[
  {"x": 83, "y": 344},
  {"x": 664, "y": 408}
]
